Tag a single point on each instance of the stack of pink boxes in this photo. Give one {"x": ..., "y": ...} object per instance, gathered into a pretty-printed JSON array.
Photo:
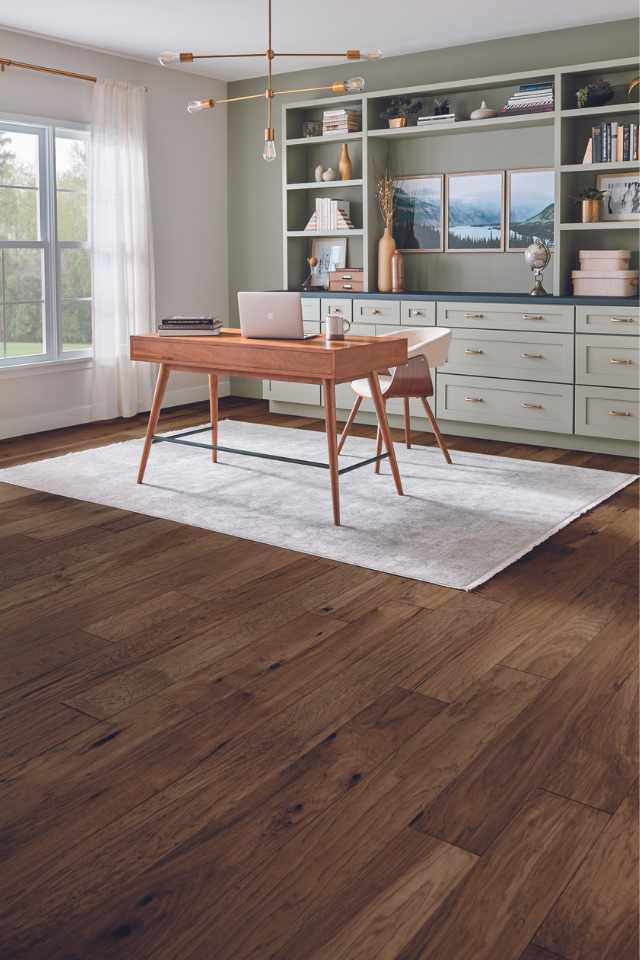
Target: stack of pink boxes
[{"x": 605, "y": 273}]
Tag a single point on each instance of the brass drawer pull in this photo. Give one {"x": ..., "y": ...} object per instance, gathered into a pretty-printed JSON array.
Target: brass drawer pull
[
  {"x": 532, "y": 356},
  {"x": 473, "y": 352},
  {"x": 532, "y": 316},
  {"x": 620, "y": 413},
  {"x": 473, "y": 400},
  {"x": 416, "y": 313},
  {"x": 376, "y": 313},
  {"x": 473, "y": 316},
  {"x": 624, "y": 363},
  {"x": 347, "y": 286},
  {"x": 622, "y": 320},
  {"x": 533, "y": 406},
  {"x": 347, "y": 276}
]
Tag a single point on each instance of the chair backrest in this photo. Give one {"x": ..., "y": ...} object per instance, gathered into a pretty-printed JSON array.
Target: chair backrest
[{"x": 427, "y": 348}]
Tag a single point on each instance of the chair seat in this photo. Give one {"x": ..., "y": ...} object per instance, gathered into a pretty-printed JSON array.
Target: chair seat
[{"x": 362, "y": 388}]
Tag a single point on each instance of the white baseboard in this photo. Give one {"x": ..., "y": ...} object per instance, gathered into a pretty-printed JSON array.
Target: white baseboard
[{"x": 74, "y": 416}]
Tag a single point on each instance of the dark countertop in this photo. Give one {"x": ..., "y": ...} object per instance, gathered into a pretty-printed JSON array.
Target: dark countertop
[{"x": 479, "y": 297}]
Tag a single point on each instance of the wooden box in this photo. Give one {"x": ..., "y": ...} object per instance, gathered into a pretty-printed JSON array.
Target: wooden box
[{"x": 347, "y": 279}]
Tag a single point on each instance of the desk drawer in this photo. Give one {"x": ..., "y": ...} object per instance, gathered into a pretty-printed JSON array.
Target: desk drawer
[
  {"x": 311, "y": 309},
  {"x": 606, "y": 412},
  {"x": 377, "y": 311},
  {"x": 607, "y": 361},
  {"x": 418, "y": 313},
  {"x": 505, "y": 403},
  {"x": 507, "y": 316},
  {"x": 517, "y": 356},
  {"x": 611, "y": 320},
  {"x": 336, "y": 305}
]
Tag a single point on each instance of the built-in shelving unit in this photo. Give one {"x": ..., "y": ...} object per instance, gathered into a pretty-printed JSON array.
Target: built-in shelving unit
[{"x": 556, "y": 139}]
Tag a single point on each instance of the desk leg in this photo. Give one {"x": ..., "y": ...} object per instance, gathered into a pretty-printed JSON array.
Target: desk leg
[
  {"x": 213, "y": 403},
  {"x": 154, "y": 414},
  {"x": 332, "y": 443},
  {"x": 383, "y": 426}
]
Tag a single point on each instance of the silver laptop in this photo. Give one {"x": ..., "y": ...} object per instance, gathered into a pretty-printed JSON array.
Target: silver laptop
[{"x": 272, "y": 316}]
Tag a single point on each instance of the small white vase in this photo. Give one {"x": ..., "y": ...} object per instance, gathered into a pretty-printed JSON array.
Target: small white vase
[
  {"x": 483, "y": 112},
  {"x": 317, "y": 173}
]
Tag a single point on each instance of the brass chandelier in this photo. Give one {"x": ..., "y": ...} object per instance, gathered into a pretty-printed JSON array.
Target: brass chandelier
[{"x": 354, "y": 85}]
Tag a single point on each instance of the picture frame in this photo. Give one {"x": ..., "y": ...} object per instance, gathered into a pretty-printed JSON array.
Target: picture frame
[
  {"x": 331, "y": 254},
  {"x": 418, "y": 222},
  {"x": 478, "y": 197},
  {"x": 530, "y": 207},
  {"x": 622, "y": 196}
]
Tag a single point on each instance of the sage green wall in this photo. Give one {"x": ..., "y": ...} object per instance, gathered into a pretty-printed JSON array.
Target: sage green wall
[{"x": 254, "y": 187}]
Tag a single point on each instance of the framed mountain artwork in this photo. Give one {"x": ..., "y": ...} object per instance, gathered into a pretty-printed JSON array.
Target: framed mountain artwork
[
  {"x": 475, "y": 212},
  {"x": 530, "y": 207},
  {"x": 419, "y": 213}
]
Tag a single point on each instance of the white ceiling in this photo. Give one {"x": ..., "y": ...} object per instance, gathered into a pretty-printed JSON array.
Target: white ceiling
[{"x": 144, "y": 28}]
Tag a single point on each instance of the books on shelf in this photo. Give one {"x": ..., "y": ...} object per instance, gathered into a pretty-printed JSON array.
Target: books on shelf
[
  {"x": 530, "y": 98},
  {"x": 612, "y": 141},
  {"x": 330, "y": 215},
  {"x": 179, "y": 326},
  {"x": 341, "y": 121}
]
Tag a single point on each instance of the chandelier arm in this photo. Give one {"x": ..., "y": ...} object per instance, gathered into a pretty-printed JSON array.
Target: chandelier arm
[
  {"x": 224, "y": 56},
  {"x": 279, "y": 93},
  {"x": 251, "y": 96}
]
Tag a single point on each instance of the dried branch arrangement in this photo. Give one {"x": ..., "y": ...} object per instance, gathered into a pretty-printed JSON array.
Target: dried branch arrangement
[{"x": 386, "y": 191}]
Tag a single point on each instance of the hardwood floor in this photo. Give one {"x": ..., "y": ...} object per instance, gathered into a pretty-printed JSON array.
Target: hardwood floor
[{"x": 212, "y": 748}]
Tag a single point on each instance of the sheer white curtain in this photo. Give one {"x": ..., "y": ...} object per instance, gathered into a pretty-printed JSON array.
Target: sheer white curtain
[{"x": 122, "y": 247}]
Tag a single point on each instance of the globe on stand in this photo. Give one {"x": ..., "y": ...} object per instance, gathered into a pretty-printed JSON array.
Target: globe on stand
[{"x": 537, "y": 256}]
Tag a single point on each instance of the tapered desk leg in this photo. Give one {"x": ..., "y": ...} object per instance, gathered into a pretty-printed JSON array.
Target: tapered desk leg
[
  {"x": 383, "y": 423},
  {"x": 154, "y": 414},
  {"x": 213, "y": 403},
  {"x": 330, "y": 420}
]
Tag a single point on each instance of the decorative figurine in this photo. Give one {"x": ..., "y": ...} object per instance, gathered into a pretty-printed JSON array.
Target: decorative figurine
[
  {"x": 317, "y": 173},
  {"x": 329, "y": 174},
  {"x": 537, "y": 256},
  {"x": 483, "y": 112},
  {"x": 307, "y": 283}
]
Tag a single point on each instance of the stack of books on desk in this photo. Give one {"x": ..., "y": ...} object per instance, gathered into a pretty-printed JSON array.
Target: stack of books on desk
[
  {"x": 530, "y": 98},
  {"x": 189, "y": 326}
]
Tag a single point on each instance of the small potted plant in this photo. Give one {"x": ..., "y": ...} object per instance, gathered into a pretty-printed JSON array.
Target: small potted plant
[
  {"x": 595, "y": 94},
  {"x": 399, "y": 109},
  {"x": 590, "y": 198}
]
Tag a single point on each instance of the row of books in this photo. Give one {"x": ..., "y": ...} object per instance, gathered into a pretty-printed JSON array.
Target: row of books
[
  {"x": 530, "y": 98},
  {"x": 330, "y": 215},
  {"x": 611, "y": 140},
  {"x": 341, "y": 121},
  {"x": 189, "y": 326}
]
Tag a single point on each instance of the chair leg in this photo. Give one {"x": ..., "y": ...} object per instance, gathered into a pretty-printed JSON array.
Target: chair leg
[
  {"x": 351, "y": 418},
  {"x": 407, "y": 423},
  {"x": 436, "y": 430},
  {"x": 378, "y": 448}
]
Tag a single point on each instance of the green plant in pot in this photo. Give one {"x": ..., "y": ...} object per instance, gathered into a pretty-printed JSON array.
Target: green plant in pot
[
  {"x": 590, "y": 198},
  {"x": 595, "y": 93},
  {"x": 399, "y": 110}
]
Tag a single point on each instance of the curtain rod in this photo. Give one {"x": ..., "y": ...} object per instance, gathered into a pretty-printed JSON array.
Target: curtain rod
[{"x": 4, "y": 62}]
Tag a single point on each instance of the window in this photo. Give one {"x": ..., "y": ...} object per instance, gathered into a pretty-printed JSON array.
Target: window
[{"x": 45, "y": 267}]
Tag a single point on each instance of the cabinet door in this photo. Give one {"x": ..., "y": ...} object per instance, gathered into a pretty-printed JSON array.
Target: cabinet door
[
  {"x": 506, "y": 403},
  {"x": 607, "y": 412},
  {"x": 511, "y": 354},
  {"x": 613, "y": 320},
  {"x": 556, "y": 318},
  {"x": 607, "y": 361},
  {"x": 377, "y": 311},
  {"x": 418, "y": 313},
  {"x": 286, "y": 391}
]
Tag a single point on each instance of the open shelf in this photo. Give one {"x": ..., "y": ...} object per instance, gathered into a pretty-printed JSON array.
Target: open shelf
[
  {"x": 611, "y": 165},
  {"x": 325, "y": 185},
  {"x": 465, "y": 126},
  {"x": 603, "y": 225},
  {"x": 325, "y": 233},
  {"x": 608, "y": 109},
  {"x": 327, "y": 138}
]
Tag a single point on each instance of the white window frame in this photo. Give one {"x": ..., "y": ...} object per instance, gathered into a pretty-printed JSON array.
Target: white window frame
[{"x": 46, "y": 130}]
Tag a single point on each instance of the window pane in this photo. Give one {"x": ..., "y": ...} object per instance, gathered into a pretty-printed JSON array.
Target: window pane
[
  {"x": 71, "y": 184},
  {"x": 75, "y": 273},
  {"x": 22, "y": 274},
  {"x": 76, "y": 324},
  {"x": 19, "y": 201},
  {"x": 23, "y": 329}
]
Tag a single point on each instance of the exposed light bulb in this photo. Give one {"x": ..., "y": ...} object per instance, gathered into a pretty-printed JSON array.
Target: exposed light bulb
[
  {"x": 374, "y": 55},
  {"x": 269, "y": 153},
  {"x": 195, "y": 106},
  {"x": 168, "y": 57},
  {"x": 354, "y": 85}
]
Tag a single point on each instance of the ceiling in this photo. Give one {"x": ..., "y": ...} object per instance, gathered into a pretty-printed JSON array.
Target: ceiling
[{"x": 144, "y": 28}]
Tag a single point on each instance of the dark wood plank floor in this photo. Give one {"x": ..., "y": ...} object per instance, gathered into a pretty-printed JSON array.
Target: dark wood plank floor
[{"x": 211, "y": 748}]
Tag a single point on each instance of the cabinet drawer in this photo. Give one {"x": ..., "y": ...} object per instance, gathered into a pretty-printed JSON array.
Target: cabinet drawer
[
  {"x": 377, "y": 311},
  {"x": 606, "y": 412},
  {"x": 608, "y": 320},
  {"x": 504, "y": 403},
  {"x": 517, "y": 356},
  {"x": 607, "y": 361},
  {"x": 336, "y": 305},
  {"x": 311, "y": 309},
  {"x": 418, "y": 313},
  {"x": 507, "y": 316}
]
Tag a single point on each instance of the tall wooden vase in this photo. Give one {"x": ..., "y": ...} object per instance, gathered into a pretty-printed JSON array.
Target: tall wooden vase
[
  {"x": 386, "y": 249},
  {"x": 345, "y": 167}
]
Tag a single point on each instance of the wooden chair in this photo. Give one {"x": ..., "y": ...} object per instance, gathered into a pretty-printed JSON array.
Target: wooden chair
[{"x": 427, "y": 348}]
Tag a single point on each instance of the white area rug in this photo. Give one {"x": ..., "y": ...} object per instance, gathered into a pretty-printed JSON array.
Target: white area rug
[{"x": 457, "y": 525}]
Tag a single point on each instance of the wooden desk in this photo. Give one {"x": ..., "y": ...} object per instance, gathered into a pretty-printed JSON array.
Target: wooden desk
[{"x": 303, "y": 361}]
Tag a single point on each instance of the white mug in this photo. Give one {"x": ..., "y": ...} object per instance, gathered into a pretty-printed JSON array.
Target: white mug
[{"x": 335, "y": 326}]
